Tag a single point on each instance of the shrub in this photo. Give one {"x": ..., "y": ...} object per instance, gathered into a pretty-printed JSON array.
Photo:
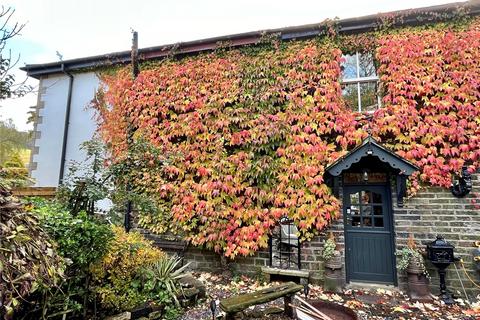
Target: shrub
[
  {"x": 82, "y": 240},
  {"x": 14, "y": 173},
  {"x": 28, "y": 260},
  {"x": 162, "y": 279},
  {"x": 119, "y": 275},
  {"x": 409, "y": 256},
  {"x": 87, "y": 181}
]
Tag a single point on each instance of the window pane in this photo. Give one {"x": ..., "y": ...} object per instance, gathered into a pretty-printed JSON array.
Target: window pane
[
  {"x": 350, "y": 96},
  {"x": 366, "y": 210},
  {"x": 354, "y": 198},
  {"x": 367, "y": 67},
  {"x": 354, "y": 210},
  {"x": 377, "y": 210},
  {"x": 378, "y": 222},
  {"x": 366, "y": 196},
  {"x": 349, "y": 67},
  {"x": 356, "y": 221},
  {"x": 368, "y": 93},
  {"x": 367, "y": 222},
  {"x": 377, "y": 197}
]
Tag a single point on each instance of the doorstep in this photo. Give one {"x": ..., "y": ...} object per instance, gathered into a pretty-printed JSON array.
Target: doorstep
[{"x": 371, "y": 286}]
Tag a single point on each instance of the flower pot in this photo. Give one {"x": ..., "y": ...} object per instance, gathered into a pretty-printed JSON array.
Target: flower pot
[
  {"x": 415, "y": 266},
  {"x": 418, "y": 288}
]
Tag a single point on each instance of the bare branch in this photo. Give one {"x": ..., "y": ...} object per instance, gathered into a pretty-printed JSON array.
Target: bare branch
[
  {"x": 8, "y": 87},
  {"x": 12, "y": 32}
]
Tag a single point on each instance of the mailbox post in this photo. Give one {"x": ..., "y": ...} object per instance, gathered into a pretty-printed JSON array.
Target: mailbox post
[{"x": 440, "y": 253}]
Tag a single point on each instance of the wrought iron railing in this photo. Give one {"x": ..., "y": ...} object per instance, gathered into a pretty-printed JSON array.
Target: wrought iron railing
[{"x": 285, "y": 246}]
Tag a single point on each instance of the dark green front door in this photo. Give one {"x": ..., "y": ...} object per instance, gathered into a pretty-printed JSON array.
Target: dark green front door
[{"x": 368, "y": 234}]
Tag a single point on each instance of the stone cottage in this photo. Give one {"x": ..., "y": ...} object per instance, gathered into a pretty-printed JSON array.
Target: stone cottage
[{"x": 374, "y": 216}]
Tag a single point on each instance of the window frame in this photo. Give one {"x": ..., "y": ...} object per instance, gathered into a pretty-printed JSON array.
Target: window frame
[{"x": 360, "y": 80}]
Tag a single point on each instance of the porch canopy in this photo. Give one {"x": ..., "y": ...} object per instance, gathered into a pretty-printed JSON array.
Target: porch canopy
[{"x": 371, "y": 154}]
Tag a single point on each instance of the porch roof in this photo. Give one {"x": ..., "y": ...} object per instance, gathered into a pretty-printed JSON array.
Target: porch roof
[{"x": 370, "y": 147}]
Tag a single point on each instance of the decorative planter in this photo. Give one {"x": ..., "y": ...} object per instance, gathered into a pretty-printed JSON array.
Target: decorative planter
[
  {"x": 334, "y": 280},
  {"x": 415, "y": 266},
  {"x": 335, "y": 262},
  {"x": 418, "y": 288}
]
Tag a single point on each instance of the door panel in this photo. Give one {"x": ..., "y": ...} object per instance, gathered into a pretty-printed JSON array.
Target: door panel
[{"x": 368, "y": 234}]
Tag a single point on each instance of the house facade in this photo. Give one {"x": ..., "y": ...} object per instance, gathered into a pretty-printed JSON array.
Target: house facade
[{"x": 374, "y": 217}]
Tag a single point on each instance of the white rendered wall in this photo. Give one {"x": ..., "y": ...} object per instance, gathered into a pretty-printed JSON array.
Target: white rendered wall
[{"x": 52, "y": 105}]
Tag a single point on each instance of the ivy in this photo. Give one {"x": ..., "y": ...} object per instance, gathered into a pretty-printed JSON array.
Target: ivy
[{"x": 253, "y": 129}]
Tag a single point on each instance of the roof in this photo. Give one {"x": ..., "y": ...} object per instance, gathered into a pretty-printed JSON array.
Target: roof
[
  {"x": 370, "y": 147},
  {"x": 345, "y": 26}
]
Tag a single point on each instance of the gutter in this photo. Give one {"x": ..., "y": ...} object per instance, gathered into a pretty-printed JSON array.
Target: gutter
[
  {"x": 410, "y": 17},
  {"x": 66, "y": 125}
]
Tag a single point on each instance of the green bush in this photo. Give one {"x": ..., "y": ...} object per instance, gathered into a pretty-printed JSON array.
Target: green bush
[
  {"x": 119, "y": 276},
  {"x": 81, "y": 240},
  {"x": 14, "y": 173},
  {"x": 328, "y": 249},
  {"x": 411, "y": 255}
]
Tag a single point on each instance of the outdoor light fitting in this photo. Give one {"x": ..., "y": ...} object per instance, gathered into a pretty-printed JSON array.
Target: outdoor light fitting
[
  {"x": 463, "y": 185},
  {"x": 365, "y": 175}
]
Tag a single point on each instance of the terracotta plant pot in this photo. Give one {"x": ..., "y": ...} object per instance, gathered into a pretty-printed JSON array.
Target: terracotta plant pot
[
  {"x": 418, "y": 283},
  {"x": 418, "y": 287},
  {"x": 415, "y": 266}
]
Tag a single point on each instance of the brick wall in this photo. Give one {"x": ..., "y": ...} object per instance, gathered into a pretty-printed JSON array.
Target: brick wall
[
  {"x": 436, "y": 211},
  {"x": 432, "y": 211}
]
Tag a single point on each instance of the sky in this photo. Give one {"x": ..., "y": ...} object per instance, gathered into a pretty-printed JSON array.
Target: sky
[{"x": 80, "y": 28}]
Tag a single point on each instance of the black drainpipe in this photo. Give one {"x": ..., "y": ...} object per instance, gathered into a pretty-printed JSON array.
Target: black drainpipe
[{"x": 66, "y": 126}]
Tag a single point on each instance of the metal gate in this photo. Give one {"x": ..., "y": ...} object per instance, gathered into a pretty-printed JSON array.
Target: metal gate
[{"x": 285, "y": 246}]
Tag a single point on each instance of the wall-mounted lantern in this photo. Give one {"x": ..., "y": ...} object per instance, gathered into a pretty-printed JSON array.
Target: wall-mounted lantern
[
  {"x": 365, "y": 175},
  {"x": 463, "y": 184}
]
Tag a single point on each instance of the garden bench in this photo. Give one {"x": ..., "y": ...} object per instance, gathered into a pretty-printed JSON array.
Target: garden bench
[{"x": 241, "y": 302}]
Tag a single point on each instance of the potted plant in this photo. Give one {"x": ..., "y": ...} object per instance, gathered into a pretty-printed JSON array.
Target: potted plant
[
  {"x": 331, "y": 255},
  {"x": 333, "y": 278},
  {"x": 410, "y": 260}
]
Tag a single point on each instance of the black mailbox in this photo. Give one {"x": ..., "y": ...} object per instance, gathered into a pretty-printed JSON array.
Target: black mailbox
[{"x": 440, "y": 253}]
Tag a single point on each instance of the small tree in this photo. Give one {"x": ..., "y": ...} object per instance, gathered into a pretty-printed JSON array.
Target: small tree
[
  {"x": 8, "y": 87},
  {"x": 87, "y": 181},
  {"x": 14, "y": 173},
  {"x": 11, "y": 139}
]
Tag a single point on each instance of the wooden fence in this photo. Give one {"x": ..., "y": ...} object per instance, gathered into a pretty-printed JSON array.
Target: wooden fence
[{"x": 43, "y": 192}]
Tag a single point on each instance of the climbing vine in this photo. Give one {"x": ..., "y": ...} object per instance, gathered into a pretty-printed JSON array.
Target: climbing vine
[{"x": 241, "y": 137}]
